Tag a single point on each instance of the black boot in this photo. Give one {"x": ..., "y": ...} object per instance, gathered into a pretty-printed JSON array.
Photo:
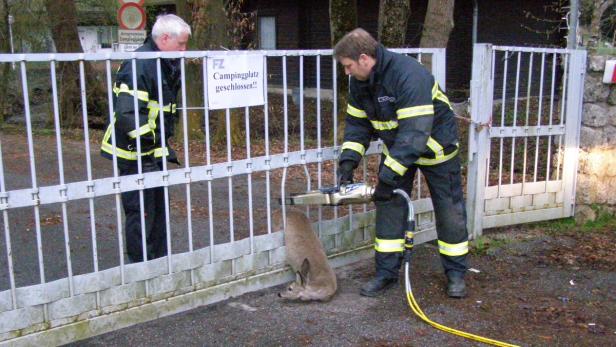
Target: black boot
[
  {"x": 377, "y": 285},
  {"x": 456, "y": 288}
]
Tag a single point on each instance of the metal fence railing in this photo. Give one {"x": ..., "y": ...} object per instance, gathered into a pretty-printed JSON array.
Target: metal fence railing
[
  {"x": 63, "y": 258},
  {"x": 523, "y": 165}
]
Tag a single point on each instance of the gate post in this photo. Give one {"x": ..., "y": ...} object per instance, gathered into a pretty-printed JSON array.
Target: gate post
[
  {"x": 439, "y": 67},
  {"x": 482, "y": 86},
  {"x": 573, "y": 120}
]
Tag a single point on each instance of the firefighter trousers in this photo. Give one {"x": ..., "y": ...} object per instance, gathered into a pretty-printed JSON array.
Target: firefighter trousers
[
  {"x": 445, "y": 185},
  {"x": 154, "y": 216}
]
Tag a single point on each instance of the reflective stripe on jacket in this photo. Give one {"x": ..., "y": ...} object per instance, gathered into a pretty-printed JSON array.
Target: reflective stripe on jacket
[{"x": 402, "y": 104}]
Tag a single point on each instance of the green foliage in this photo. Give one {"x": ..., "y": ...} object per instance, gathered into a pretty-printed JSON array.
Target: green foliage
[
  {"x": 558, "y": 226},
  {"x": 611, "y": 51},
  {"x": 605, "y": 221},
  {"x": 97, "y": 12},
  {"x": 30, "y": 29},
  {"x": 485, "y": 245}
]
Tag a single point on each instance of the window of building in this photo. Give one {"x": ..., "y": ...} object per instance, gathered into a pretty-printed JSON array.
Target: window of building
[{"x": 267, "y": 32}]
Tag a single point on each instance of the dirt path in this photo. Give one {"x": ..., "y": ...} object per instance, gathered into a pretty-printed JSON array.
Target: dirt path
[{"x": 533, "y": 289}]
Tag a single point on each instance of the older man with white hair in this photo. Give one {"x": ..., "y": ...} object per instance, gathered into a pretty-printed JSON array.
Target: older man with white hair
[{"x": 169, "y": 33}]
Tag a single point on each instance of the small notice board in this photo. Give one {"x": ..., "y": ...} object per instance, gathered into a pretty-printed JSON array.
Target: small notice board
[{"x": 235, "y": 81}]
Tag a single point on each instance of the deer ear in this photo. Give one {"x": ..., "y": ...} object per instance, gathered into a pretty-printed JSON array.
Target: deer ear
[{"x": 303, "y": 273}]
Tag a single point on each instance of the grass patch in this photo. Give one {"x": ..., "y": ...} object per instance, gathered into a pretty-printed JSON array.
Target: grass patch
[
  {"x": 605, "y": 222},
  {"x": 484, "y": 245},
  {"x": 557, "y": 226},
  {"x": 605, "y": 51}
]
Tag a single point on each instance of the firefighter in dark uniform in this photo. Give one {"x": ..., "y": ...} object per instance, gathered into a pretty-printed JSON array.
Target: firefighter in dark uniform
[
  {"x": 395, "y": 98},
  {"x": 169, "y": 33}
]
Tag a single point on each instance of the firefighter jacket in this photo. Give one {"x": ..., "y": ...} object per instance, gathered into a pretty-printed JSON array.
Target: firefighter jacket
[
  {"x": 148, "y": 108},
  {"x": 402, "y": 105}
]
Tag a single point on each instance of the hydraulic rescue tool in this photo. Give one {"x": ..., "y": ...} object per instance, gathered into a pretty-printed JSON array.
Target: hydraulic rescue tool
[
  {"x": 361, "y": 193},
  {"x": 354, "y": 193}
]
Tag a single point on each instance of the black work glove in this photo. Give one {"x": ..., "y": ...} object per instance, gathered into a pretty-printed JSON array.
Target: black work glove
[
  {"x": 383, "y": 192},
  {"x": 345, "y": 172}
]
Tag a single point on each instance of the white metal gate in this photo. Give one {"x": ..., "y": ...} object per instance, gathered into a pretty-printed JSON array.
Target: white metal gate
[
  {"x": 63, "y": 273},
  {"x": 526, "y": 108}
]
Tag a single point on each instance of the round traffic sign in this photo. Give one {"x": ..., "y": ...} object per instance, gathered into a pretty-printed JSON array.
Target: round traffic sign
[
  {"x": 131, "y": 16},
  {"x": 138, "y": 2}
]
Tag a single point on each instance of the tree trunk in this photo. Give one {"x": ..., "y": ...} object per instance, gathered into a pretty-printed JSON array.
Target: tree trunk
[
  {"x": 438, "y": 24},
  {"x": 342, "y": 19},
  {"x": 597, "y": 13},
  {"x": 63, "y": 22},
  {"x": 212, "y": 29},
  {"x": 393, "y": 18},
  {"x": 193, "y": 76},
  {"x": 437, "y": 27}
]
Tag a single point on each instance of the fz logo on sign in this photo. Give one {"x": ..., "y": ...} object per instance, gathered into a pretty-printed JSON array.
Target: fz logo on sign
[{"x": 218, "y": 64}]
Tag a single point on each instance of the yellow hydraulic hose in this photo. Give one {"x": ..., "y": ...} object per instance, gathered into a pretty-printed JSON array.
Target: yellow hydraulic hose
[
  {"x": 408, "y": 247},
  {"x": 415, "y": 307}
]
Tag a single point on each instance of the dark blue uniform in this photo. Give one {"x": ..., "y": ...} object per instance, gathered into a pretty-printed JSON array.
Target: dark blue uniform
[
  {"x": 152, "y": 151},
  {"x": 402, "y": 104}
]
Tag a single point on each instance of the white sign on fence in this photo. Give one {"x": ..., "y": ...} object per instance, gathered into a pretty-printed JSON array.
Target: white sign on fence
[{"x": 235, "y": 81}]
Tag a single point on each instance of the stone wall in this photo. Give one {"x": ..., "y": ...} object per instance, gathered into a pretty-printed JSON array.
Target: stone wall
[{"x": 597, "y": 166}]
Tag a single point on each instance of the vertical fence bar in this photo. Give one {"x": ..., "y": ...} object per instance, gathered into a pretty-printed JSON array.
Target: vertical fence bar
[
  {"x": 67, "y": 240},
  {"x": 515, "y": 116},
  {"x": 116, "y": 180},
  {"x": 187, "y": 170},
  {"x": 301, "y": 112},
  {"x": 539, "y": 111},
  {"x": 335, "y": 122},
  {"x": 208, "y": 160},
  {"x": 503, "y": 108},
  {"x": 86, "y": 137},
  {"x": 35, "y": 190},
  {"x": 7, "y": 231},
  {"x": 163, "y": 142},
  {"x": 527, "y": 120},
  {"x": 144, "y": 248},
  {"x": 493, "y": 67},
  {"x": 418, "y": 184},
  {"x": 230, "y": 182},
  {"x": 547, "y": 175},
  {"x": 268, "y": 202},
  {"x": 229, "y": 174},
  {"x": 562, "y": 114},
  {"x": 249, "y": 178},
  {"x": 439, "y": 67},
  {"x": 285, "y": 117},
  {"x": 302, "y": 127},
  {"x": 319, "y": 144}
]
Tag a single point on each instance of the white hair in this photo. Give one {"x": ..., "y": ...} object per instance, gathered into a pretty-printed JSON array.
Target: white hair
[{"x": 169, "y": 24}]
